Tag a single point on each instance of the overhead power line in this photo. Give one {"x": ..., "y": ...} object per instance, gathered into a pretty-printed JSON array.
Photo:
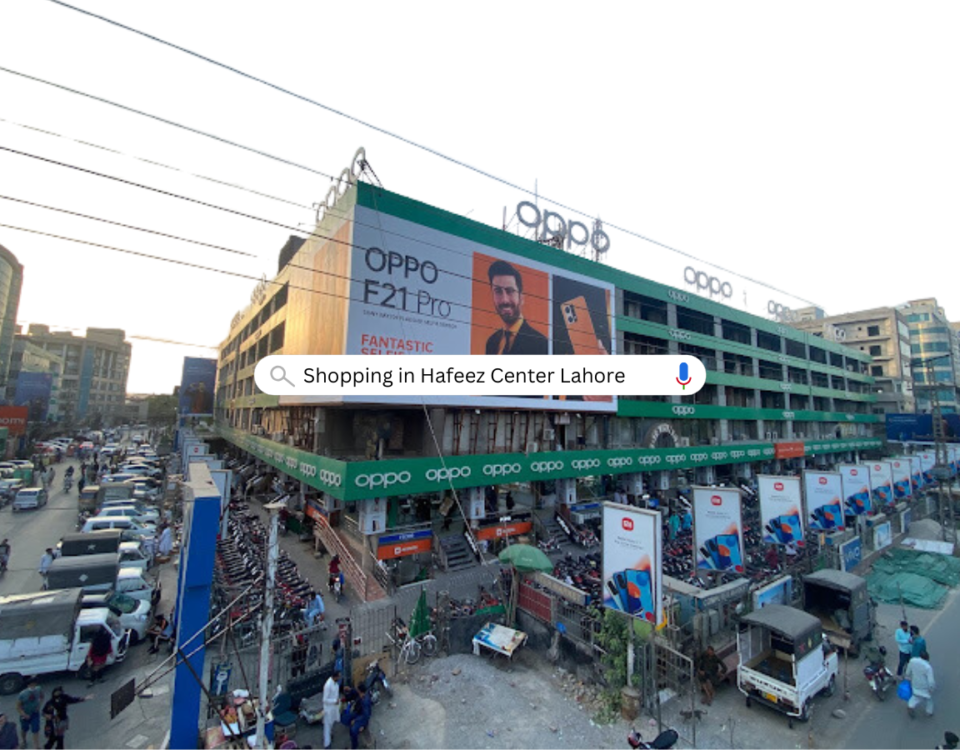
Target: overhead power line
[{"x": 416, "y": 145}]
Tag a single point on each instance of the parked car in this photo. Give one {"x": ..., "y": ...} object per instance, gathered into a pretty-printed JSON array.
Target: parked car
[
  {"x": 133, "y": 555},
  {"x": 116, "y": 478},
  {"x": 134, "y": 614},
  {"x": 143, "y": 515},
  {"x": 146, "y": 489},
  {"x": 30, "y": 498},
  {"x": 129, "y": 526}
]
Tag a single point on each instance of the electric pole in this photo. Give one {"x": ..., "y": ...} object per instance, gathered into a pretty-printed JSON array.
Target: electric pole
[
  {"x": 273, "y": 552},
  {"x": 941, "y": 468}
]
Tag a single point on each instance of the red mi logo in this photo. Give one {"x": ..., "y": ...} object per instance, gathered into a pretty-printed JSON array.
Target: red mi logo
[
  {"x": 627, "y": 524},
  {"x": 716, "y": 500},
  {"x": 778, "y": 486},
  {"x": 823, "y": 480}
]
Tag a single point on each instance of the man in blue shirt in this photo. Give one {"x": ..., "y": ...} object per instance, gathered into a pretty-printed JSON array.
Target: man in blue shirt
[
  {"x": 357, "y": 716},
  {"x": 919, "y": 642},
  {"x": 905, "y": 644}
]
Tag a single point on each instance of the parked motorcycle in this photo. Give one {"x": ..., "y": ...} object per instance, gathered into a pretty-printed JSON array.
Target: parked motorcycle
[
  {"x": 666, "y": 739},
  {"x": 376, "y": 681},
  {"x": 877, "y": 674}
]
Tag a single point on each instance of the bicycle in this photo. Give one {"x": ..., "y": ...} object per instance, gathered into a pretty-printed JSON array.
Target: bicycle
[{"x": 411, "y": 648}]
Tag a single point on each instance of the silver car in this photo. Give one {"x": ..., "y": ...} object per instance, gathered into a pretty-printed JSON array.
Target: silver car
[{"x": 30, "y": 498}]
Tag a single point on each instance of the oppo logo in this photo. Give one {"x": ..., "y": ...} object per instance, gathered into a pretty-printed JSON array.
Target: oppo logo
[
  {"x": 291, "y": 463},
  {"x": 627, "y": 524},
  {"x": 331, "y": 478},
  {"x": 679, "y": 335},
  {"x": 616, "y": 463},
  {"x": 753, "y": 452},
  {"x": 781, "y": 312},
  {"x": 674, "y": 459},
  {"x": 308, "y": 470},
  {"x": 716, "y": 500},
  {"x": 788, "y": 415},
  {"x": 648, "y": 460},
  {"x": 678, "y": 296},
  {"x": 737, "y": 454},
  {"x": 590, "y": 463},
  {"x": 683, "y": 411},
  {"x": 718, "y": 455},
  {"x": 786, "y": 386},
  {"x": 781, "y": 358},
  {"x": 501, "y": 470},
  {"x": 703, "y": 281},
  {"x": 434, "y": 475},
  {"x": 542, "y": 466},
  {"x": 383, "y": 480},
  {"x": 698, "y": 457},
  {"x": 778, "y": 486},
  {"x": 822, "y": 480},
  {"x": 562, "y": 230}
]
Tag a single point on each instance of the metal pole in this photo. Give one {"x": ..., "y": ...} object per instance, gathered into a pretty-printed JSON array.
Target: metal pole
[{"x": 273, "y": 549}]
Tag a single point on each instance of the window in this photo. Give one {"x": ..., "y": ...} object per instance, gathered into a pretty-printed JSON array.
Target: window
[
  {"x": 876, "y": 351},
  {"x": 873, "y": 330},
  {"x": 876, "y": 370}
]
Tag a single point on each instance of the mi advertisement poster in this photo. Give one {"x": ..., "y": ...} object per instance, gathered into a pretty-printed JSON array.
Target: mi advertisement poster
[
  {"x": 781, "y": 509},
  {"x": 632, "y": 574},
  {"x": 881, "y": 483},
  {"x": 928, "y": 459},
  {"x": 197, "y": 387},
  {"x": 717, "y": 529},
  {"x": 856, "y": 489},
  {"x": 916, "y": 474},
  {"x": 901, "y": 478},
  {"x": 824, "y": 496},
  {"x": 417, "y": 290}
]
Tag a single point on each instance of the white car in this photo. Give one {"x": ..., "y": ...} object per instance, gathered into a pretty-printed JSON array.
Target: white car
[
  {"x": 31, "y": 497},
  {"x": 134, "y": 614},
  {"x": 143, "y": 515},
  {"x": 130, "y": 527},
  {"x": 132, "y": 555}
]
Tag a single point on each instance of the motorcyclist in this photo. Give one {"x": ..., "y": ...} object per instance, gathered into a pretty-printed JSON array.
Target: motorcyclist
[
  {"x": 69, "y": 471},
  {"x": 4, "y": 554},
  {"x": 334, "y": 572}
]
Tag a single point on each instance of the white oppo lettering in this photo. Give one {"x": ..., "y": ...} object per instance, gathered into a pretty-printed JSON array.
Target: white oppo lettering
[
  {"x": 678, "y": 296},
  {"x": 331, "y": 478},
  {"x": 737, "y": 454},
  {"x": 698, "y": 457},
  {"x": 788, "y": 415},
  {"x": 674, "y": 459},
  {"x": 684, "y": 411},
  {"x": 456, "y": 472},
  {"x": 308, "y": 470},
  {"x": 589, "y": 463},
  {"x": 616, "y": 463},
  {"x": 562, "y": 230},
  {"x": 383, "y": 480},
  {"x": 718, "y": 455},
  {"x": 704, "y": 281},
  {"x": 648, "y": 460},
  {"x": 542, "y": 466},
  {"x": 501, "y": 470}
]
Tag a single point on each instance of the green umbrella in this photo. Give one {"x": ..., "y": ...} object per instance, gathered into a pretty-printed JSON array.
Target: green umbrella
[
  {"x": 420, "y": 619},
  {"x": 526, "y": 559}
]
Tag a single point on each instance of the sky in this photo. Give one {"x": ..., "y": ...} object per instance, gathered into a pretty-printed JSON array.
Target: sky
[{"x": 811, "y": 148}]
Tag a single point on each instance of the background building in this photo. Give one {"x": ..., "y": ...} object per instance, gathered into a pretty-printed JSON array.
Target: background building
[
  {"x": 932, "y": 336},
  {"x": 11, "y": 282},
  {"x": 884, "y": 334},
  {"x": 95, "y": 369}
]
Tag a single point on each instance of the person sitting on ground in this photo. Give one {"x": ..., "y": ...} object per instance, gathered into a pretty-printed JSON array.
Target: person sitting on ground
[
  {"x": 314, "y": 610},
  {"x": 710, "y": 672},
  {"x": 162, "y": 630}
]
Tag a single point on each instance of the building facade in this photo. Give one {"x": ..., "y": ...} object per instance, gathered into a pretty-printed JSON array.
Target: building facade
[
  {"x": 884, "y": 334},
  {"x": 11, "y": 282},
  {"x": 29, "y": 360},
  {"x": 933, "y": 339},
  {"x": 95, "y": 369}
]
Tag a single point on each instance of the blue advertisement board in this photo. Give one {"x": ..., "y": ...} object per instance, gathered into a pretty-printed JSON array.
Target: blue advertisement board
[
  {"x": 197, "y": 387},
  {"x": 919, "y": 427},
  {"x": 851, "y": 554},
  {"x": 33, "y": 391}
]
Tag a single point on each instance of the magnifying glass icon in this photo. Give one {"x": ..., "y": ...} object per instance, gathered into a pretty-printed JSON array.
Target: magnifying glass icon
[{"x": 278, "y": 373}]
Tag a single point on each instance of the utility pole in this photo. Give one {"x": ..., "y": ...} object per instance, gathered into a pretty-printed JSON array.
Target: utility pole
[
  {"x": 941, "y": 469},
  {"x": 266, "y": 631}
]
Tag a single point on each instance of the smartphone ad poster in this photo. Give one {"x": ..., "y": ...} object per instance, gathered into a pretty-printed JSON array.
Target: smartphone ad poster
[
  {"x": 632, "y": 573},
  {"x": 928, "y": 459},
  {"x": 781, "y": 509},
  {"x": 718, "y": 529},
  {"x": 856, "y": 489},
  {"x": 901, "y": 478},
  {"x": 824, "y": 495},
  {"x": 916, "y": 473},
  {"x": 881, "y": 483}
]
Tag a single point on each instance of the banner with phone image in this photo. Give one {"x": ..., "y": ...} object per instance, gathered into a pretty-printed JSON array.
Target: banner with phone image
[
  {"x": 581, "y": 322},
  {"x": 856, "y": 489},
  {"x": 902, "y": 486},
  {"x": 824, "y": 496},
  {"x": 718, "y": 529},
  {"x": 632, "y": 570},
  {"x": 781, "y": 509},
  {"x": 881, "y": 483},
  {"x": 928, "y": 459}
]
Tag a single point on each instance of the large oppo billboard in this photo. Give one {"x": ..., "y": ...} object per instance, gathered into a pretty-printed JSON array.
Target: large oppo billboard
[
  {"x": 856, "y": 488},
  {"x": 717, "y": 529},
  {"x": 632, "y": 570},
  {"x": 901, "y": 478},
  {"x": 881, "y": 483},
  {"x": 824, "y": 496},
  {"x": 781, "y": 509}
]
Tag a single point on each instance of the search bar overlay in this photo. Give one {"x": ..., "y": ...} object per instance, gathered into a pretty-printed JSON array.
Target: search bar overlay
[{"x": 479, "y": 375}]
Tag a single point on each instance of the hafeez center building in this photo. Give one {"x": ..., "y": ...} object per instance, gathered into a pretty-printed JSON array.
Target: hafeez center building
[{"x": 388, "y": 275}]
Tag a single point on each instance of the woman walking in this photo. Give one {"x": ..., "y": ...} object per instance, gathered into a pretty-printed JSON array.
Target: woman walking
[{"x": 55, "y": 717}]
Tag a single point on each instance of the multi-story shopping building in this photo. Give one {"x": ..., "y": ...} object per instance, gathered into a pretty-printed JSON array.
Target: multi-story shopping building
[
  {"x": 387, "y": 275},
  {"x": 95, "y": 369},
  {"x": 31, "y": 363},
  {"x": 884, "y": 334},
  {"x": 934, "y": 340},
  {"x": 11, "y": 282}
]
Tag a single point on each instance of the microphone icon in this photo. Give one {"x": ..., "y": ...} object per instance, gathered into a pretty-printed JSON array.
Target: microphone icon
[{"x": 684, "y": 378}]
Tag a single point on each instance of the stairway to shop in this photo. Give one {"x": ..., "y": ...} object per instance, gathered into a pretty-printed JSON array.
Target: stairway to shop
[
  {"x": 554, "y": 529},
  {"x": 458, "y": 553}
]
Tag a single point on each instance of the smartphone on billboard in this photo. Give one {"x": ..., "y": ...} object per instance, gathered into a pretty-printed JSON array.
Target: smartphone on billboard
[
  {"x": 828, "y": 516},
  {"x": 615, "y": 596},
  {"x": 708, "y": 551},
  {"x": 728, "y": 552},
  {"x": 579, "y": 324},
  {"x": 785, "y": 529},
  {"x": 641, "y": 584},
  {"x": 621, "y": 581}
]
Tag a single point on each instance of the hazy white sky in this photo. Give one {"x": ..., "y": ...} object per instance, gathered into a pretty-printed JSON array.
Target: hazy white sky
[{"x": 812, "y": 147}]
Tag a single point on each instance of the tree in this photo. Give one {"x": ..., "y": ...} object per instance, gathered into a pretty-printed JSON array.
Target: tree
[{"x": 162, "y": 409}]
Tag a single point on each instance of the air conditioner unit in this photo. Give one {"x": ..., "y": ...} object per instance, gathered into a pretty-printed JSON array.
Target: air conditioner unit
[
  {"x": 549, "y": 434},
  {"x": 532, "y": 447},
  {"x": 715, "y": 441},
  {"x": 683, "y": 442}
]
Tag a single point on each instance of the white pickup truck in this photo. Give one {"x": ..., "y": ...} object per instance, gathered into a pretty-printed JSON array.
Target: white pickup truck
[
  {"x": 784, "y": 660},
  {"x": 49, "y": 632}
]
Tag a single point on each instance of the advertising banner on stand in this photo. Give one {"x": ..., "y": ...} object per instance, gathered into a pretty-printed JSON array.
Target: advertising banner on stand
[
  {"x": 781, "y": 509},
  {"x": 197, "y": 387},
  {"x": 916, "y": 475},
  {"x": 824, "y": 496},
  {"x": 632, "y": 570},
  {"x": 33, "y": 391},
  {"x": 928, "y": 459},
  {"x": 881, "y": 484},
  {"x": 718, "y": 529},
  {"x": 902, "y": 486},
  {"x": 14, "y": 418},
  {"x": 953, "y": 453},
  {"x": 856, "y": 489}
]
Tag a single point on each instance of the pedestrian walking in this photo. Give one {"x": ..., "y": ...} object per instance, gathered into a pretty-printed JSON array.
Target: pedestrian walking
[
  {"x": 100, "y": 650},
  {"x": 45, "y": 562},
  {"x": 922, "y": 683},
  {"x": 918, "y": 642},
  {"x": 55, "y": 716},
  {"x": 8, "y": 734},
  {"x": 28, "y": 706},
  {"x": 905, "y": 644},
  {"x": 331, "y": 707},
  {"x": 165, "y": 545}
]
